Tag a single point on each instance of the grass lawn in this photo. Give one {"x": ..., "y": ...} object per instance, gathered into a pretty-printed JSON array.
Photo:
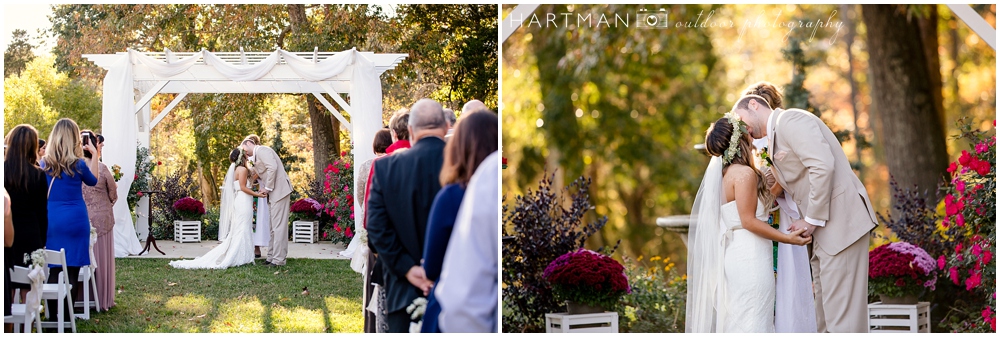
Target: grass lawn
[{"x": 154, "y": 297}]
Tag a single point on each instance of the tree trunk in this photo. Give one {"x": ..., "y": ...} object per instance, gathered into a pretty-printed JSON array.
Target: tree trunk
[
  {"x": 929, "y": 35},
  {"x": 902, "y": 94},
  {"x": 209, "y": 189},
  {"x": 325, "y": 135}
]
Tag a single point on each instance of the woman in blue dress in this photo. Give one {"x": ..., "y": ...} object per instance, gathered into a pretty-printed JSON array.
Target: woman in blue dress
[
  {"x": 66, "y": 171},
  {"x": 475, "y": 138}
]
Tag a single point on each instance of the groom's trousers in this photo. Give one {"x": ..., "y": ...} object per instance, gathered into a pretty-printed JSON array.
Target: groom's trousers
[
  {"x": 278, "y": 249},
  {"x": 840, "y": 284}
]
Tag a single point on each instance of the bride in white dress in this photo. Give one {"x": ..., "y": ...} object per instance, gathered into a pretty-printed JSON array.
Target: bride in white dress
[
  {"x": 235, "y": 222},
  {"x": 730, "y": 258}
]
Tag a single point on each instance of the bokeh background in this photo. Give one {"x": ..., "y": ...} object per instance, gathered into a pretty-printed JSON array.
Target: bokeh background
[{"x": 625, "y": 106}]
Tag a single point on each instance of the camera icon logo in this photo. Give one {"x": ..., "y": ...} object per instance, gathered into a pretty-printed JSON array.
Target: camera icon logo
[{"x": 650, "y": 20}]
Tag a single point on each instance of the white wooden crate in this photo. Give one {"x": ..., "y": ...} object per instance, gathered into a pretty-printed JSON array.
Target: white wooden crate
[
  {"x": 899, "y": 317},
  {"x": 187, "y": 231},
  {"x": 606, "y": 322},
  {"x": 305, "y": 231}
]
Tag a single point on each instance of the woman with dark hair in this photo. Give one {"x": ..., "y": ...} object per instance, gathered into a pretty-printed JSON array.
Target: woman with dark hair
[
  {"x": 25, "y": 183},
  {"x": 100, "y": 199},
  {"x": 41, "y": 149},
  {"x": 474, "y": 139},
  {"x": 730, "y": 277}
]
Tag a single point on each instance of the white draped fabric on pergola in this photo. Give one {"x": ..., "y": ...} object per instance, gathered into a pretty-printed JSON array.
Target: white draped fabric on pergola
[{"x": 134, "y": 77}]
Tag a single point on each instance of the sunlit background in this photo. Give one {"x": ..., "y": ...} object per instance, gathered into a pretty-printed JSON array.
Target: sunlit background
[{"x": 626, "y": 106}]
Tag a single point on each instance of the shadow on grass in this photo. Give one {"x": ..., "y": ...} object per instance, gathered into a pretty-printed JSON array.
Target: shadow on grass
[{"x": 158, "y": 298}]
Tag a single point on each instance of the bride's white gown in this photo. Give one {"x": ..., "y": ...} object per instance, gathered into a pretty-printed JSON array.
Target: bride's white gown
[
  {"x": 748, "y": 293},
  {"x": 237, "y": 248}
]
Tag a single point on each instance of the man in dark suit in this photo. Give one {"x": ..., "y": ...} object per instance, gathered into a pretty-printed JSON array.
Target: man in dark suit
[{"x": 399, "y": 203}]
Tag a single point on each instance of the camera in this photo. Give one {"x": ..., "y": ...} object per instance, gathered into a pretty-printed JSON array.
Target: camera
[
  {"x": 88, "y": 138},
  {"x": 649, "y": 20}
]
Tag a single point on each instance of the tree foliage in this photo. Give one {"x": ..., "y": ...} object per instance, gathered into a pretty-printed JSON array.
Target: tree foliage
[
  {"x": 19, "y": 52},
  {"x": 40, "y": 95}
]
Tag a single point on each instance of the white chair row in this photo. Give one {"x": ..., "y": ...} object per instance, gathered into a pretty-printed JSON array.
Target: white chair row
[
  {"x": 61, "y": 291},
  {"x": 23, "y": 314}
]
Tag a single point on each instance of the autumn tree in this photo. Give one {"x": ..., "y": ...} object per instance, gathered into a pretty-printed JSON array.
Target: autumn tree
[{"x": 904, "y": 96}]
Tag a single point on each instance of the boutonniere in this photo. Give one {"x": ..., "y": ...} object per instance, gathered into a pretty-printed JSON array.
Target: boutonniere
[{"x": 763, "y": 155}]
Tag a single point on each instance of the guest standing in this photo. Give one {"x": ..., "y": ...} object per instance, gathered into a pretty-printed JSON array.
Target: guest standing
[
  {"x": 25, "y": 183},
  {"x": 475, "y": 138},
  {"x": 469, "y": 281},
  {"x": 398, "y": 126},
  {"x": 100, "y": 198},
  {"x": 399, "y": 203},
  {"x": 41, "y": 148},
  {"x": 383, "y": 138},
  {"x": 68, "y": 217}
]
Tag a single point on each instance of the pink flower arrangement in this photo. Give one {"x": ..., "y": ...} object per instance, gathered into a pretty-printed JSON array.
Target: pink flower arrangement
[
  {"x": 898, "y": 269},
  {"x": 306, "y": 209}
]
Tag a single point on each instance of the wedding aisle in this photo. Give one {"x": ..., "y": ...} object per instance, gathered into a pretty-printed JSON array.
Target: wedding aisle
[
  {"x": 153, "y": 297},
  {"x": 323, "y": 250}
]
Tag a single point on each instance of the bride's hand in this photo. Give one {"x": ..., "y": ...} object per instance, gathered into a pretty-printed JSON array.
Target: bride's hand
[{"x": 795, "y": 238}]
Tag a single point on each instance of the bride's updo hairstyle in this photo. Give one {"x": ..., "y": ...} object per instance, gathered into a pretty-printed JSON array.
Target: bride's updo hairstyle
[
  {"x": 237, "y": 157},
  {"x": 767, "y": 91},
  {"x": 717, "y": 142}
]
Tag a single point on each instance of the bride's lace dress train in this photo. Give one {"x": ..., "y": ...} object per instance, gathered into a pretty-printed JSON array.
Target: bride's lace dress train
[{"x": 237, "y": 248}]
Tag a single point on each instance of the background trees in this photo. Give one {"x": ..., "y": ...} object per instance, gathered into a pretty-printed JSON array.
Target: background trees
[{"x": 452, "y": 57}]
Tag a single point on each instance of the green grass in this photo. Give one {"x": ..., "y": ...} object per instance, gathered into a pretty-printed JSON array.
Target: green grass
[{"x": 157, "y": 298}]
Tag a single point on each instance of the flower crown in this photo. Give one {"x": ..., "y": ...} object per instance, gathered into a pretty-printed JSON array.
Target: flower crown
[{"x": 739, "y": 128}]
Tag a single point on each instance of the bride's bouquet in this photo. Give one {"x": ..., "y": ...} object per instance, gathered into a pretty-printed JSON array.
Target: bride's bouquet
[{"x": 587, "y": 277}]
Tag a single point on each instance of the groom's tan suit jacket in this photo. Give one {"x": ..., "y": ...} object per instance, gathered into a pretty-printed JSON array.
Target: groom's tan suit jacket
[
  {"x": 814, "y": 171},
  {"x": 272, "y": 172}
]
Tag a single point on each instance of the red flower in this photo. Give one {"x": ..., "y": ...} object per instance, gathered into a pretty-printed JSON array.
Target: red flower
[
  {"x": 973, "y": 281},
  {"x": 139, "y": 193},
  {"x": 960, "y": 220},
  {"x": 343, "y": 153},
  {"x": 136, "y": 177},
  {"x": 900, "y": 282},
  {"x": 966, "y": 158},
  {"x": 348, "y": 233},
  {"x": 987, "y": 256},
  {"x": 159, "y": 163},
  {"x": 952, "y": 168},
  {"x": 952, "y": 206},
  {"x": 941, "y": 262},
  {"x": 953, "y": 273}
]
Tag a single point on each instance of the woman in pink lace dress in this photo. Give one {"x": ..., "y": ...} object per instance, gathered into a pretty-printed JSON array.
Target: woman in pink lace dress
[{"x": 100, "y": 199}]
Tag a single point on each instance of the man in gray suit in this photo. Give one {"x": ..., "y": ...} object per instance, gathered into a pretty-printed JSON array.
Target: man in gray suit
[
  {"x": 812, "y": 170},
  {"x": 278, "y": 189}
]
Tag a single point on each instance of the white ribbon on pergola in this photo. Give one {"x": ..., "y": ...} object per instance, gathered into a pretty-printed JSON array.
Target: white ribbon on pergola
[{"x": 126, "y": 121}]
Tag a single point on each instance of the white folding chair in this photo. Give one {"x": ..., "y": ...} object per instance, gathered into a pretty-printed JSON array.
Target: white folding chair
[
  {"x": 22, "y": 314},
  {"x": 87, "y": 276},
  {"x": 61, "y": 291}
]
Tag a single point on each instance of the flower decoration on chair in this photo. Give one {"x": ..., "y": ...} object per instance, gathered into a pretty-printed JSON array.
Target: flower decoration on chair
[
  {"x": 37, "y": 258},
  {"x": 588, "y": 277},
  {"x": 338, "y": 190},
  {"x": 899, "y": 269},
  {"x": 306, "y": 209},
  {"x": 189, "y": 208}
]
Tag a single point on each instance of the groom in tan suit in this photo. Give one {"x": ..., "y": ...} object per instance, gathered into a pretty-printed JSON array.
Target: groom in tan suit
[
  {"x": 813, "y": 171},
  {"x": 278, "y": 189}
]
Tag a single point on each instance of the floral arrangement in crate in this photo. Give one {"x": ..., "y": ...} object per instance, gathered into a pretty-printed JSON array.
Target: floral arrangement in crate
[
  {"x": 589, "y": 278},
  {"x": 898, "y": 270},
  {"x": 189, "y": 208},
  {"x": 338, "y": 189},
  {"x": 144, "y": 166},
  {"x": 306, "y": 209},
  {"x": 969, "y": 224}
]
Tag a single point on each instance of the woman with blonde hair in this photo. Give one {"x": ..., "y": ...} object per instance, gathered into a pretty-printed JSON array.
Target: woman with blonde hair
[{"x": 66, "y": 171}]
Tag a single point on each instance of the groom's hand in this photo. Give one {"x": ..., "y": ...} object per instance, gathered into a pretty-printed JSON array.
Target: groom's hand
[
  {"x": 802, "y": 224},
  {"x": 418, "y": 278}
]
